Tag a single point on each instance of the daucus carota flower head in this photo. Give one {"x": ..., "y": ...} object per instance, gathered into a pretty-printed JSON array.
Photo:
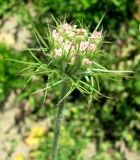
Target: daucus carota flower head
[
  {"x": 72, "y": 44},
  {"x": 71, "y": 54}
]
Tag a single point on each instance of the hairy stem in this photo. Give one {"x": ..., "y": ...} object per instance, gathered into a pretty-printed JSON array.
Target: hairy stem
[{"x": 58, "y": 121}]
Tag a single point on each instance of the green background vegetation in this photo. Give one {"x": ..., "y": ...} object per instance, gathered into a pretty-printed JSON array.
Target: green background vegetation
[{"x": 108, "y": 121}]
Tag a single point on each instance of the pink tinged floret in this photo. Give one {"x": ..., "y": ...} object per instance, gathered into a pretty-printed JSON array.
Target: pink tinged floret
[
  {"x": 96, "y": 35},
  {"x": 57, "y": 36},
  {"x": 66, "y": 27},
  {"x": 86, "y": 61},
  {"x": 84, "y": 45}
]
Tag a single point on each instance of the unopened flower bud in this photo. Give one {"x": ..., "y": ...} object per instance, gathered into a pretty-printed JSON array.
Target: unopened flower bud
[
  {"x": 57, "y": 53},
  {"x": 80, "y": 31},
  {"x": 92, "y": 47},
  {"x": 86, "y": 61}
]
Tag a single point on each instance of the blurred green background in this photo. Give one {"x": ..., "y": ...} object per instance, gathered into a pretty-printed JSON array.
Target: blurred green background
[{"x": 110, "y": 130}]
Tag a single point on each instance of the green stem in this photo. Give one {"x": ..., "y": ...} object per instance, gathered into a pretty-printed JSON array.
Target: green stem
[{"x": 58, "y": 121}]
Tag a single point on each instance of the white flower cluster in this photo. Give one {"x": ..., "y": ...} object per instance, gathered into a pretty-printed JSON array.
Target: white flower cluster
[{"x": 68, "y": 39}]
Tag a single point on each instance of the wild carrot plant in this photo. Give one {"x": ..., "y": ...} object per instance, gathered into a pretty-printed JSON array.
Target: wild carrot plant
[{"x": 70, "y": 56}]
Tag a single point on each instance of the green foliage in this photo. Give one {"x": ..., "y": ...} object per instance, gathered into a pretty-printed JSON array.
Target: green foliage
[
  {"x": 6, "y": 6},
  {"x": 8, "y": 73},
  {"x": 122, "y": 110},
  {"x": 109, "y": 120},
  {"x": 69, "y": 148},
  {"x": 11, "y": 77},
  {"x": 89, "y": 10}
]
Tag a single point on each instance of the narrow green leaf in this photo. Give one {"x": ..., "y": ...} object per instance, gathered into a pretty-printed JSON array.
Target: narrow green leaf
[
  {"x": 40, "y": 45},
  {"x": 57, "y": 24},
  {"x": 24, "y": 69},
  {"x": 22, "y": 62},
  {"x": 67, "y": 94},
  {"x": 99, "y": 23},
  {"x": 40, "y": 37},
  {"x": 46, "y": 91},
  {"x": 34, "y": 56},
  {"x": 31, "y": 77},
  {"x": 97, "y": 81},
  {"x": 48, "y": 87},
  {"x": 99, "y": 65},
  {"x": 90, "y": 87}
]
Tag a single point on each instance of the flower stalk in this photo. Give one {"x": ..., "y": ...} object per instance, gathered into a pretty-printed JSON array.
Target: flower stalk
[{"x": 59, "y": 120}]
